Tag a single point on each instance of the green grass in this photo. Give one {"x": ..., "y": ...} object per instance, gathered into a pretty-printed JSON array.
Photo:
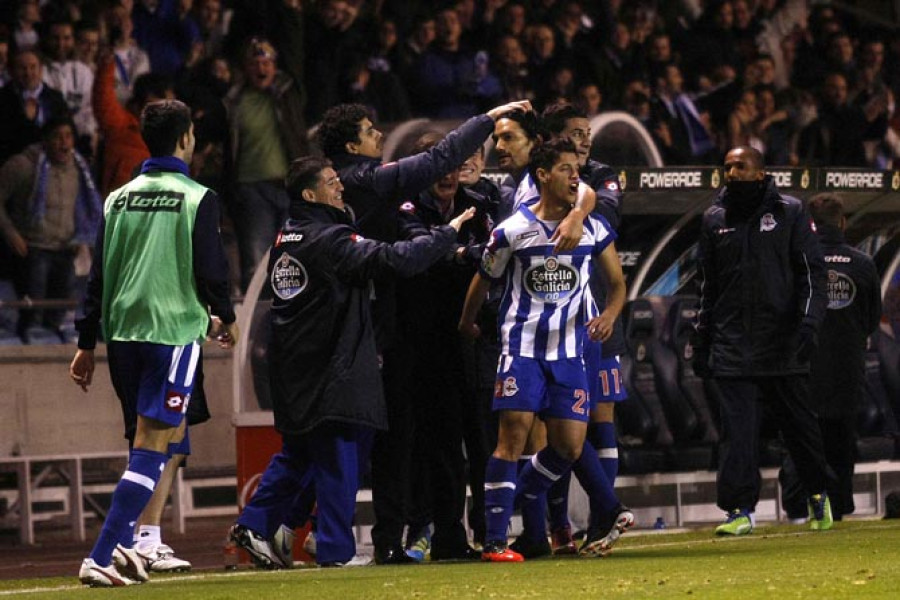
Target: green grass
[{"x": 857, "y": 559}]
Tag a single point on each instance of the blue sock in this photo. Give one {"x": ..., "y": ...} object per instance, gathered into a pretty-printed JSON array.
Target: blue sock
[
  {"x": 545, "y": 468},
  {"x": 593, "y": 479},
  {"x": 558, "y": 503},
  {"x": 499, "y": 493},
  {"x": 129, "y": 499}
]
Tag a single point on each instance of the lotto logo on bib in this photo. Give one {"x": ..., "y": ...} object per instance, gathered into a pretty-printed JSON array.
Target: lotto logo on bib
[{"x": 551, "y": 281}]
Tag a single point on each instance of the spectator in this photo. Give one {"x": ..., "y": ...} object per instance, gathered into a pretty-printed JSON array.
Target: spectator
[
  {"x": 774, "y": 126},
  {"x": 683, "y": 135},
  {"x": 4, "y": 61},
  {"x": 589, "y": 99},
  {"x": 26, "y": 105},
  {"x": 743, "y": 124},
  {"x": 836, "y": 137},
  {"x": 510, "y": 65},
  {"x": 73, "y": 79},
  {"x": 25, "y": 34},
  {"x": 87, "y": 43},
  {"x": 123, "y": 146},
  {"x": 267, "y": 131},
  {"x": 49, "y": 213},
  {"x": 748, "y": 235},
  {"x": 166, "y": 31},
  {"x": 415, "y": 45},
  {"x": 837, "y": 368},
  {"x": 131, "y": 60},
  {"x": 213, "y": 23},
  {"x": 379, "y": 90},
  {"x": 450, "y": 81}
]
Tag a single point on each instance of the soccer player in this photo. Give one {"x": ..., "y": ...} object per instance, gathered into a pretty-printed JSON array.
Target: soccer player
[
  {"x": 158, "y": 272},
  {"x": 544, "y": 311}
]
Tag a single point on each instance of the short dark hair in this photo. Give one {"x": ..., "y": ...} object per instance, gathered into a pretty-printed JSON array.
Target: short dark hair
[
  {"x": 544, "y": 156},
  {"x": 826, "y": 209},
  {"x": 753, "y": 155},
  {"x": 339, "y": 126},
  {"x": 303, "y": 174},
  {"x": 162, "y": 125},
  {"x": 529, "y": 121},
  {"x": 148, "y": 84},
  {"x": 55, "y": 123},
  {"x": 556, "y": 114}
]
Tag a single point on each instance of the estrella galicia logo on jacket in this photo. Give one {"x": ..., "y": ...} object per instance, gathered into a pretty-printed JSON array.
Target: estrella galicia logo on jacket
[
  {"x": 767, "y": 222},
  {"x": 551, "y": 280},
  {"x": 176, "y": 402},
  {"x": 841, "y": 290},
  {"x": 150, "y": 201},
  {"x": 289, "y": 277}
]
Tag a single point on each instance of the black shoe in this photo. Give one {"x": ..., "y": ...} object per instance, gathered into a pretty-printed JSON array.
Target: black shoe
[
  {"x": 466, "y": 552},
  {"x": 530, "y": 549},
  {"x": 395, "y": 555}
]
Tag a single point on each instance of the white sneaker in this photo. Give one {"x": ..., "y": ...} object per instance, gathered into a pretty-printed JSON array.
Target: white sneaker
[
  {"x": 130, "y": 563},
  {"x": 283, "y": 545},
  {"x": 309, "y": 544},
  {"x": 259, "y": 549},
  {"x": 358, "y": 560},
  {"x": 161, "y": 558},
  {"x": 94, "y": 575}
]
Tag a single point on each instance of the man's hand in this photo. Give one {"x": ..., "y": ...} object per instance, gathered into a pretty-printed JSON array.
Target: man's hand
[
  {"x": 569, "y": 232},
  {"x": 522, "y": 105},
  {"x": 462, "y": 218},
  {"x": 226, "y": 335},
  {"x": 82, "y": 368},
  {"x": 18, "y": 244},
  {"x": 600, "y": 328},
  {"x": 470, "y": 331}
]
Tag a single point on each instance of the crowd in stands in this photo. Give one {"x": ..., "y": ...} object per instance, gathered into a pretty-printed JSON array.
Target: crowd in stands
[{"x": 801, "y": 82}]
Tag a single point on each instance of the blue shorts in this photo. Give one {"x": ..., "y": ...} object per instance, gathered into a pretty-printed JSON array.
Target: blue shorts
[
  {"x": 153, "y": 380},
  {"x": 549, "y": 388},
  {"x": 604, "y": 375}
]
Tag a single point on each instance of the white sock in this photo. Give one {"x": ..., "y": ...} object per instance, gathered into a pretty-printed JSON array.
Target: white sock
[{"x": 148, "y": 534}]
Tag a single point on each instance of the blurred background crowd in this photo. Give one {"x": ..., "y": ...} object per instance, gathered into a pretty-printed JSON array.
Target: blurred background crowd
[{"x": 806, "y": 83}]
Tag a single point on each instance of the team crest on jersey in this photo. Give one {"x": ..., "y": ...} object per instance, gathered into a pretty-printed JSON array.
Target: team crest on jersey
[
  {"x": 841, "y": 290},
  {"x": 767, "y": 222},
  {"x": 551, "y": 280},
  {"x": 612, "y": 186},
  {"x": 176, "y": 402},
  {"x": 289, "y": 277},
  {"x": 510, "y": 387}
]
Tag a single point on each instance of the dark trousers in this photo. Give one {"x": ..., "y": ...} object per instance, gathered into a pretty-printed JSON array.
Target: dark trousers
[
  {"x": 391, "y": 452},
  {"x": 258, "y": 210},
  {"x": 46, "y": 275},
  {"x": 328, "y": 458},
  {"x": 840, "y": 453},
  {"x": 787, "y": 397}
]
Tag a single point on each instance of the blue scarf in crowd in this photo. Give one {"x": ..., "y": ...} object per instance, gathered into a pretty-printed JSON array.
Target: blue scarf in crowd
[
  {"x": 699, "y": 138},
  {"x": 88, "y": 207}
]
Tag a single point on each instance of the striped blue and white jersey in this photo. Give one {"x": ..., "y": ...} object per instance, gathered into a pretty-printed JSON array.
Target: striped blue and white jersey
[{"x": 546, "y": 298}]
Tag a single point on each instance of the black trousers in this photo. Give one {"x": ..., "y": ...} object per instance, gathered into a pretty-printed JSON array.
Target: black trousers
[
  {"x": 839, "y": 436},
  {"x": 787, "y": 397},
  {"x": 391, "y": 452}
]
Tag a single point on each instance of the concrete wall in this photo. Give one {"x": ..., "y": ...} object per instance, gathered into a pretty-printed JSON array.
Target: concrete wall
[{"x": 42, "y": 411}]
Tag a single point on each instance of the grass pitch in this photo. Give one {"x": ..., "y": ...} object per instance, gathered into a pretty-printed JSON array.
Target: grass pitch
[{"x": 857, "y": 559}]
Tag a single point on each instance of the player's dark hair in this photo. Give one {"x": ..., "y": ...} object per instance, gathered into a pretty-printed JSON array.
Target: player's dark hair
[
  {"x": 555, "y": 116},
  {"x": 544, "y": 156},
  {"x": 303, "y": 174},
  {"x": 340, "y": 126},
  {"x": 529, "y": 122},
  {"x": 826, "y": 209},
  {"x": 162, "y": 125}
]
